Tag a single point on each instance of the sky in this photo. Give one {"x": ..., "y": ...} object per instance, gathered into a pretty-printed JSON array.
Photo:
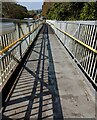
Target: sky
[{"x": 32, "y": 5}]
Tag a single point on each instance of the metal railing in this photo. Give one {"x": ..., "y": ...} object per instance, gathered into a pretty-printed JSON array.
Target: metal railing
[
  {"x": 80, "y": 39},
  {"x": 15, "y": 38}
]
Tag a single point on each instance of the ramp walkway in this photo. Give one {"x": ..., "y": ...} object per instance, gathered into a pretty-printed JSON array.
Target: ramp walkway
[{"x": 49, "y": 85}]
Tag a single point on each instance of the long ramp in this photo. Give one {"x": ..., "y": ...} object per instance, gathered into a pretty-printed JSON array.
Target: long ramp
[{"x": 49, "y": 85}]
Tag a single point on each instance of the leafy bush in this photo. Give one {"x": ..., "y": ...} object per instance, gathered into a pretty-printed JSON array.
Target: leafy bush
[{"x": 71, "y": 10}]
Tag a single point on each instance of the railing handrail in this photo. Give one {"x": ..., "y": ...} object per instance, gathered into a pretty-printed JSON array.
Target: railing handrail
[
  {"x": 80, "y": 42},
  {"x": 15, "y": 42},
  {"x": 18, "y": 20},
  {"x": 15, "y": 39},
  {"x": 78, "y": 22}
]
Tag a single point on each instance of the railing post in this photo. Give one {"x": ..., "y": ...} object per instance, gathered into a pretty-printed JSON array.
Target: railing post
[
  {"x": 1, "y": 47},
  {"x": 33, "y": 26},
  {"x": 29, "y": 31},
  {"x": 65, "y": 31},
  {"x": 0, "y": 92},
  {"x": 19, "y": 34},
  {"x": 0, "y": 75},
  {"x": 77, "y": 38}
]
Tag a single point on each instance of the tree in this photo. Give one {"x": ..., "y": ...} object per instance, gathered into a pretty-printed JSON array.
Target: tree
[
  {"x": 71, "y": 10},
  {"x": 89, "y": 11},
  {"x": 13, "y": 10}
]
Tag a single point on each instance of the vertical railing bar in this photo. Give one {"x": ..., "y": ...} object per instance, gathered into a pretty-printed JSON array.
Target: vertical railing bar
[
  {"x": 19, "y": 34},
  {"x": 7, "y": 58},
  {"x": 84, "y": 49},
  {"x": 95, "y": 47},
  {"x": 86, "y": 42},
  {"x": 78, "y": 29},
  {"x": 65, "y": 35},
  {"x": 89, "y": 52},
  {"x": 95, "y": 57},
  {"x": 92, "y": 54},
  {"x": 79, "y": 38},
  {"x": 29, "y": 31},
  {"x": 81, "y": 48}
]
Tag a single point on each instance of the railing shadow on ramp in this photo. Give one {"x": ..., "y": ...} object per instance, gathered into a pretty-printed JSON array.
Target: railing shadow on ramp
[{"x": 35, "y": 94}]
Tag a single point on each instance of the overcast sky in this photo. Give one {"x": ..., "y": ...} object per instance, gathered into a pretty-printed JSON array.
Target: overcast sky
[{"x": 32, "y": 5}]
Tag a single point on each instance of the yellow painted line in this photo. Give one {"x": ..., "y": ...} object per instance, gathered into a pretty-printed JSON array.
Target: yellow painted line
[
  {"x": 80, "y": 42},
  {"x": 15, "y": 42}
]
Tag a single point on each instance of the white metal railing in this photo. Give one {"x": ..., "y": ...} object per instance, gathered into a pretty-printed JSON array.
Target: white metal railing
[
  {"x": 15, "y": 38},
  {"x": 80, "y": 39}
]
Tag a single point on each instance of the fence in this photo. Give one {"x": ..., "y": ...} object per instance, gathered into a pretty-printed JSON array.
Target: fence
[
  {"x": 15, "y": 38},
  {"x": 80, "y": 39}
]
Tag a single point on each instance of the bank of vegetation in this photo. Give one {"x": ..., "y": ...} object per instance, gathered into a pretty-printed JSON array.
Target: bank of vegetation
[
  {"x": 16, "y": 11},
  {"x": 70, "y": 10}
]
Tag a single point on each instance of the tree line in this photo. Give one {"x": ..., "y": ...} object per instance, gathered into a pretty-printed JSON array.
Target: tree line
[
  {"x": 15, "y": 11},
  {"x": 70, "y": 10}
]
